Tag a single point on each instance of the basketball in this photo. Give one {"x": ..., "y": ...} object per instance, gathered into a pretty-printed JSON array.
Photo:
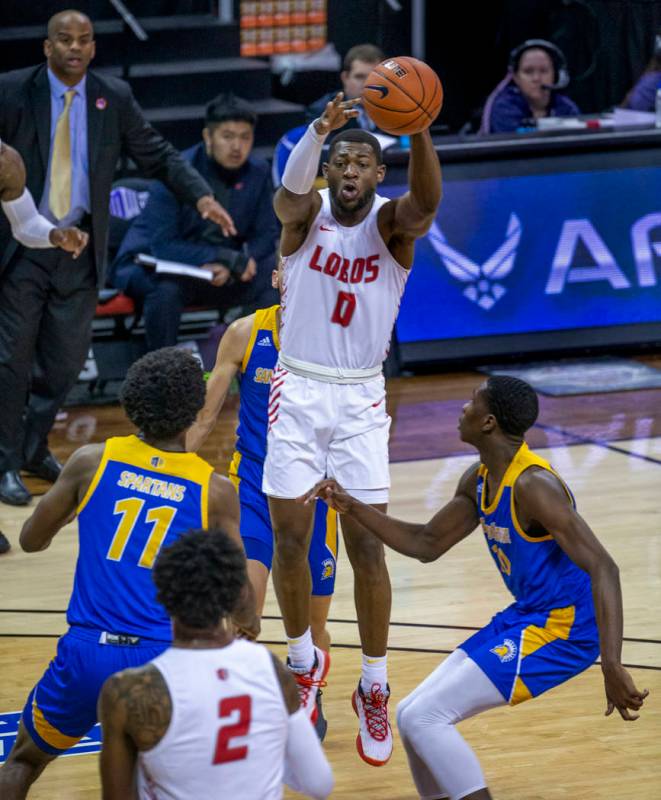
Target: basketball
[{"x": 402, "y": 95}]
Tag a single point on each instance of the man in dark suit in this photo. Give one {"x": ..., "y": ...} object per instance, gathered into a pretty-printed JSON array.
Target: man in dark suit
[
  {"x": 70, "y": 126},
  {"x": 241, "y": 265}
]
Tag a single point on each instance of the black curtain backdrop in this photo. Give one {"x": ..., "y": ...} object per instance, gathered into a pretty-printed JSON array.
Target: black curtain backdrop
[
  {"x": 37, "y": 12},
  {"x": 607, "y": 43}
]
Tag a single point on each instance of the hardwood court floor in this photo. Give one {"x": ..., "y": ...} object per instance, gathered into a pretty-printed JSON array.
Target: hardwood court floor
[{"x": 608, "y": 447}]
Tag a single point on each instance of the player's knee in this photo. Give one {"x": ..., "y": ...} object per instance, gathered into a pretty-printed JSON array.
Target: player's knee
[
  {"x": 404, "y": 718},
  {"x": 290, "y": 550},
  {"x": 368, "y": 557}
]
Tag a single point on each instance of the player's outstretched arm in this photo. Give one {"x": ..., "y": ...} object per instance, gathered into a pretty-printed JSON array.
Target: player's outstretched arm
[
  {"x": 28, "y": 226},
  {"x": 541, "y": 500},
  {"x": 410, "y": 216},
  {"x": 225, "y": 513},
  {"x": 306, "y": 768},
  {"x": 296, "y": 202},
  {"x": 456, "y": 520},
  {"x": 135, "y": 710},
  {"x": 229, "y": 358},
  {"x": 58, "y": 506}
]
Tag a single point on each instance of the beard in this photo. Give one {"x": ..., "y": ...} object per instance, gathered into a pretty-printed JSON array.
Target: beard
[{"x": 361, "y": 201}]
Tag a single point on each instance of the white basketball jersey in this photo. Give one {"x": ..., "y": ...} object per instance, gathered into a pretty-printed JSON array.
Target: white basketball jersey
[
  {"x": 341, "y": 293},
  {"x": 228, "y": 731}
]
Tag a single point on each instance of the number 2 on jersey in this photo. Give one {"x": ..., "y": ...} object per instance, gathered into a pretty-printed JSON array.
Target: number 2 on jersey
[
  {"x": 503, "y": 560},
  {"x": 344, "y": 308},
  {"x": 224, "y": 753}
]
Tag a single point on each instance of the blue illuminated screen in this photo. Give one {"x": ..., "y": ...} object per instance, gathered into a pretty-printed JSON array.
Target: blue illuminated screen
[{"x": 537, "y": 253}]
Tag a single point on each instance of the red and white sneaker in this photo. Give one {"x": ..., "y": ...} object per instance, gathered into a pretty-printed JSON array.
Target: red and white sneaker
[
  {"x": 310, "y": 682},
  {"x": 374, "y": 740}
]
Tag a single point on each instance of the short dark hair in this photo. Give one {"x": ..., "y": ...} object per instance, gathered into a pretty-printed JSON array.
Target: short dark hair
[
  {"x": 227, "y": 107},
  {"x": 369, "y": 53},
  {"x": 513, "y": 403},
  {"x": 357, "y": 135},
  {"x": 199, "y": 578},
  {"x": 163, "y": 391}
]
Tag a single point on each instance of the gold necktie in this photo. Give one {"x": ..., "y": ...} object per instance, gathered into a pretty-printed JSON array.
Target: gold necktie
[{"x": 59, "y": 197}]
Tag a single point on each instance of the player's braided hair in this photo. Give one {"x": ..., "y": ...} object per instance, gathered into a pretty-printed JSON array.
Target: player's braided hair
[
  {"x": 357, "y": 135},
  {"x": 162, "y": 392},
  {"x": 199, "y": 578},
  {"x": 513, "y": 403}
]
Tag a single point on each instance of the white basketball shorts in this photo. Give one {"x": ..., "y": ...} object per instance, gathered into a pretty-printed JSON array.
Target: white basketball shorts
[{"x": 322, "y": 430}]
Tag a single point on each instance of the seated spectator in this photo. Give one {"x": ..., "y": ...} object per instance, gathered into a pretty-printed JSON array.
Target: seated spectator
[
  {"x": 642, "y": 96},
  {"x": 537, "y": 71},
  {"x": 167, "y": 229},
  {"x": 358, "y": 63}
]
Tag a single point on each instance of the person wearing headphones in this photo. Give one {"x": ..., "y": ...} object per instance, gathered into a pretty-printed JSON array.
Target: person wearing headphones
[
  {"x": 642, "y": 96},
  {"x": 537, "y": 71}
]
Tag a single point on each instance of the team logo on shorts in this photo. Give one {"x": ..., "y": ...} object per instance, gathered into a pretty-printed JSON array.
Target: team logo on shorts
[
  {"x": 505, "y": 651},
  {"x": 156, "y": 462},
  {"x": 327, "y": 569}
]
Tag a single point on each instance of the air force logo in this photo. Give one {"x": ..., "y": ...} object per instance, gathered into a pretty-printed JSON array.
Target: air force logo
[
  {"x": 505, "y": 651},
  {"x": 483, "y": 287}
]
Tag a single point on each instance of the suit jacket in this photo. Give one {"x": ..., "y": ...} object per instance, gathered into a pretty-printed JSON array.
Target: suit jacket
[{"x": 115, "y": 125}]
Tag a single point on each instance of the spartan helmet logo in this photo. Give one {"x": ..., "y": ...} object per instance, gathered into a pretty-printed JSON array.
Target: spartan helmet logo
[
  {"x": 483, "y": 287},
  {"x": 505, "y": 651}
]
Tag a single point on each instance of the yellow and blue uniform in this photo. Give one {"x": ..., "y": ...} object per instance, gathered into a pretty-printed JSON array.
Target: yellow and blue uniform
[
  {"x": 549, "y": 634},
  {"x": 140, "y": 500},
  {"x": 247, "y": 464}
]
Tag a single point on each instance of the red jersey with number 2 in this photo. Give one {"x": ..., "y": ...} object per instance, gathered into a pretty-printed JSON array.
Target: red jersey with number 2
[
  {"x": 341, "y": 293},
  {"x": 228, "y": 730}
]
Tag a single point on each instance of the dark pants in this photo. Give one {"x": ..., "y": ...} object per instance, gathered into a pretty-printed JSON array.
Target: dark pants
[
  {"x": 47, "y": 302},
  {"x": 164, "y": 297}
]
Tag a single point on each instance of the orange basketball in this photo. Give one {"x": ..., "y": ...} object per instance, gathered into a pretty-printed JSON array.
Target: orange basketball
[{"x": 402, "y": 95}]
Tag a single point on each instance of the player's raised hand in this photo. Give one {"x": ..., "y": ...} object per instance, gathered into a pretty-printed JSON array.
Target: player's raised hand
[
  {"x": 336, "y": 114},
  {"x": 209, "y": 208},
  {"x": 72, "y": 240},
  {"x": 333, "y": 494},
  {"x": 621, "y": 693}
]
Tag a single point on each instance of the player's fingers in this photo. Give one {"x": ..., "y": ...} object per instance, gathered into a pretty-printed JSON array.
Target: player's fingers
[
  {"x": 624, "y": 713},
  {"x": 610, "y": 707}
]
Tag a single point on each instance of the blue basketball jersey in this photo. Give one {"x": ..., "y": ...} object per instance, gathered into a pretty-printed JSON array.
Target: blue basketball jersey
[
  {"x": 256, "y": 370},
  {"x": 536, "y": 570},
  {"x": 140, "y": 499}
]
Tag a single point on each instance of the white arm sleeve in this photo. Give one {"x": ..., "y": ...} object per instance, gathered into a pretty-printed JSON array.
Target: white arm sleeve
[
  {"x": 303, "y": 162},
  {"x": 306, "y": 768},
  {"x": 27, "y": 225}
]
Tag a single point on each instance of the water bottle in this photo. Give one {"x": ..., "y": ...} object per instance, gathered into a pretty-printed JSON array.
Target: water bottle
[{"x": 657, "y": 109}]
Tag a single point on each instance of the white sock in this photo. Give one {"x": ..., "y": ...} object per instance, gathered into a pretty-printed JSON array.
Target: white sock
[
  {"x": 375, "y": 670},
  {"x": 301, "y": 651}
]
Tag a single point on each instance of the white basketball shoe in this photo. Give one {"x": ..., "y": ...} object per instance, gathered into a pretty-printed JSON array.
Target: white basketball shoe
[{"x": 374, "y": 740}]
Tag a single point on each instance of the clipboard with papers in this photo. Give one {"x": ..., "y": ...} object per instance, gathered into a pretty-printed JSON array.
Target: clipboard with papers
[{"x": 160, "y": 265}]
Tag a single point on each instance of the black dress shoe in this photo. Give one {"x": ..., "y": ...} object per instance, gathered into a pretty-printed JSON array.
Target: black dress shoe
[
  {"x": 12, "y": 489},
  {"x": 4, "y": 544},
  {"x": 48, "y": 468}
]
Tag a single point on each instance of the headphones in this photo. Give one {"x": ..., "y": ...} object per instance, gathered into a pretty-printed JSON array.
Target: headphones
[{"x": 557, "y": 56}]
